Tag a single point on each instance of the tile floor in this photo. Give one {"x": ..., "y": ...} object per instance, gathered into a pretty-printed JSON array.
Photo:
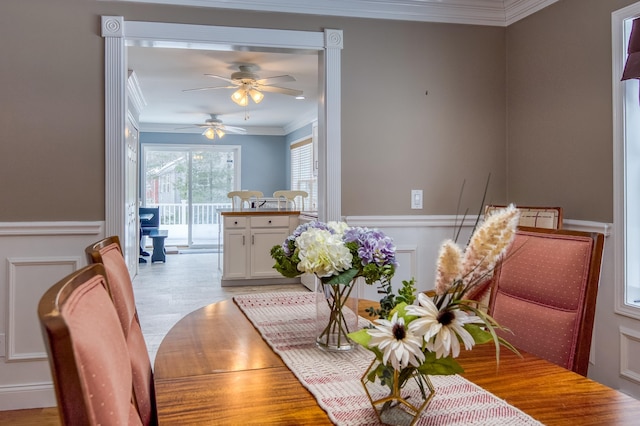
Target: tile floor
[{"x": 166, "y": 292}]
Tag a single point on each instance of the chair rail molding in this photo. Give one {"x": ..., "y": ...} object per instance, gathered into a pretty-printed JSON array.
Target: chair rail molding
[{"x": 51, "y": 228}]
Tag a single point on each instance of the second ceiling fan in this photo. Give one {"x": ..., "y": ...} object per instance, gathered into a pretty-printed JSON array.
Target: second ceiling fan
[
  {"x": 214, "y": 127},
  {"x": 248, "y": 84}
]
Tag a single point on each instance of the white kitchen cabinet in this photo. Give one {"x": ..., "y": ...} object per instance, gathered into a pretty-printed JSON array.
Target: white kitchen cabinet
[
  {"x": 235, "y": 243},
  {"x": 248, "y": 239}
]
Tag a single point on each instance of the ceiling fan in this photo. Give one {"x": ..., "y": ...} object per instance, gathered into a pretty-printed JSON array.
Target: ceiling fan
[
  {"x": 214, "y": 127},
  {"x": 249, "y": 84}
]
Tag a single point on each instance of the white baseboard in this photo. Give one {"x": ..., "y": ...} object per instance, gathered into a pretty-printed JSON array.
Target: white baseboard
[{"x": 21, "y": 397}]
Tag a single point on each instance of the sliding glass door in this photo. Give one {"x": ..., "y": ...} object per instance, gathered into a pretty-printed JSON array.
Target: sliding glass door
[{"x": 190, "y": 184}]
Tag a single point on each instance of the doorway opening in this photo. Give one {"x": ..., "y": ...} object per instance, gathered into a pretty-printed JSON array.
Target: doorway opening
[{"x": 327, "y": 43}]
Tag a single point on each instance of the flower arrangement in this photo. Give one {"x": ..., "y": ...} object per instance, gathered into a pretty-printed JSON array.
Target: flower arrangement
[
  {"x": 417, "y": 340},
  {"x": 337, "y": 254}
]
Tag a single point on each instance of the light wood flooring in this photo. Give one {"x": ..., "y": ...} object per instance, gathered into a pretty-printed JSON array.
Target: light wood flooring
[{"x": 165, "y": 292}]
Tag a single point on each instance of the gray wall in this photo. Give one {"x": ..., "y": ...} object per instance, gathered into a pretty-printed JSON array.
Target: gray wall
[
  {"x": 532, "y": 100},
  {"x": 559, "y": 108},
  {"x": 394, "y": 137},
  {"x": 263, "y": 158}
]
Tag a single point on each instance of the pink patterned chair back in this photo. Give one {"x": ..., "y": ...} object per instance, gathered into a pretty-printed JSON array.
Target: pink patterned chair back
[
  {"x": 87, "y": 351},
  {"x": 109, "y": 253},
  {"x": 545, "y": 292}
]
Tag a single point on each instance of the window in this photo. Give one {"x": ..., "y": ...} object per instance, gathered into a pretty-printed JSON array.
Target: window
[
  {"x": 626, "y": 139},
  {"x": 302, "y": 177}
]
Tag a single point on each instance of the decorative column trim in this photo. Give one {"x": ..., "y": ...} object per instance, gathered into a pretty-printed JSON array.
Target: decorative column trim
[
  {"x": 329, "y": 148},
  {"x": 115, "y": 83}
]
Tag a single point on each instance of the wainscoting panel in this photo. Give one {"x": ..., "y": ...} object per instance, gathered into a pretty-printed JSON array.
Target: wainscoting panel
[
  {"x": 417, "y": 240},
  {"x": 29, "y": 277},
  {"x": 629, "y": 350},
  {"x": 406, "y": 256},
  {"x": 33, "y": 257}
]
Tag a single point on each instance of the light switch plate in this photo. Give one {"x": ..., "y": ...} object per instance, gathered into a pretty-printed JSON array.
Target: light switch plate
[{"x": 416, "y": 198}]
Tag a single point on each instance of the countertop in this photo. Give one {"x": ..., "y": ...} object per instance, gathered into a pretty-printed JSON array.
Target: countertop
[{"x": 259, "y": 212}]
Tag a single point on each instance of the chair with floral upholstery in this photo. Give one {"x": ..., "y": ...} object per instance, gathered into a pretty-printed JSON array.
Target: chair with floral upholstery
[
  {"x": 87, "y": 351},
  {"x": 544, "y": 291},
  {"x": 109, "y": 252}
]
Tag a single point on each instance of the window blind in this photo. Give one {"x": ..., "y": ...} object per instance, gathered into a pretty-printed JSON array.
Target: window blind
[{"x": 302, "y": 177}]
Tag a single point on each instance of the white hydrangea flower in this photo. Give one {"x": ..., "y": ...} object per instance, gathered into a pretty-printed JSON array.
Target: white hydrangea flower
[
  {"x": 322, "y": 253},
  {"x": 338, "y": 227}
]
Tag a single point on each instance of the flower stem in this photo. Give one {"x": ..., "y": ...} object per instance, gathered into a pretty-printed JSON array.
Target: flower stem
[{"x": 336, "y": 297}]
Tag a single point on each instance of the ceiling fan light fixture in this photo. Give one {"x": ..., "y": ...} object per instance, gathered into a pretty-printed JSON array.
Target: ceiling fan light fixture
[
  {"x": 209, "y": 133},
  {"x": 256, "y": 95},
  {"x": 219, "y": 132},
  {"x": 240, "y": 97}
]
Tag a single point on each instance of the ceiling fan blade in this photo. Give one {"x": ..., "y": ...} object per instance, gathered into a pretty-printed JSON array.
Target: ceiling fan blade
[
  {"x": 233, "y": 129},
  {"x": 283, "y": 90},
  {"x": 208, "y": 88},
  {"x": 276, "y": 79},
  {"x": 228, "y": 80}
]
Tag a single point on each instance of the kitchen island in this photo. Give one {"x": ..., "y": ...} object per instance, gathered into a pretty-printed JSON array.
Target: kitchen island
[{"x": 248, "y": 236}]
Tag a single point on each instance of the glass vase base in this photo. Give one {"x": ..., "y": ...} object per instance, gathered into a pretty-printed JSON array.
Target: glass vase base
[
  {"x": 334, "y": 343},
  {"x": 396, "y": 416},
  {"x": 397, "y": 399}
]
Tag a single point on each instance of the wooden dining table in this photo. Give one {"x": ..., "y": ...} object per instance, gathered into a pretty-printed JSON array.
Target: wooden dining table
[{"x": 213, "y": 367}]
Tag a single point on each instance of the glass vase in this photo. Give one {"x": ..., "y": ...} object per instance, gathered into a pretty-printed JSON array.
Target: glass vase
[
  {"x": 398, "y": 397},
  {"x": 336, "y": 315}
]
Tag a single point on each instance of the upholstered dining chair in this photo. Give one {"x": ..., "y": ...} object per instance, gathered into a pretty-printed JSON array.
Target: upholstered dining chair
[
  {"x": 87, "y": 350},
  {"x": 534, "y": 216},
  {"x": 530, "y": 216},
  {"x": 109, "y": 253},
  {"x": 544, "y": 290}
]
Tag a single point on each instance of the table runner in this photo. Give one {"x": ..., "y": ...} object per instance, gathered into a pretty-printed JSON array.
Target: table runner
[{"x": 286, "y": 322}]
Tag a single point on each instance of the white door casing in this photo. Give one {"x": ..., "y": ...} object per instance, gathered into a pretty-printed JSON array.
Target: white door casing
[{"x": 118, "y": 32}]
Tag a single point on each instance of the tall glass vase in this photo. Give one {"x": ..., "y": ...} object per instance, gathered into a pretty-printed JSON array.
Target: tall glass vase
[{"x": 336, "y": 315}]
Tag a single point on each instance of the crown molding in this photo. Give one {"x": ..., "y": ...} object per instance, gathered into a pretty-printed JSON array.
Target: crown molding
[{"x": 476, "y": 12}]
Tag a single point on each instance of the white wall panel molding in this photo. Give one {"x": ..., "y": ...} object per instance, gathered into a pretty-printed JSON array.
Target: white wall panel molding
[
  {"x": 417, "y": 240},
  {"x": 33, "y": 257},
  {"x": 409, "y": 221},
  {"x": 50, "y": 228},
  {"x": 28, "y": 279},
  {"x": 33, "y": 395},
  {"x": 588, "y": 226},
  {"x": 424, "y": 235},
  {"x": 629, "y": 350},
  {"x": 476, "y": 12}
]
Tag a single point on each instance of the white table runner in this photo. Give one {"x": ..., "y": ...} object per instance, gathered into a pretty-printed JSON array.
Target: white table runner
[{"x": 286, "y": 321}]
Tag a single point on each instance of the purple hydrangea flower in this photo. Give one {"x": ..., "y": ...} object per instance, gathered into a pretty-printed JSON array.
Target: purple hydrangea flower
[{"x": 373, "y": 246}]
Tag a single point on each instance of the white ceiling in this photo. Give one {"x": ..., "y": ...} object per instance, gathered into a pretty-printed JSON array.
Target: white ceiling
[{"x": 164, "y": 73}]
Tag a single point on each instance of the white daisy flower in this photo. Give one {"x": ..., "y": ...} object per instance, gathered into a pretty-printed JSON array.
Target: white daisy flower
[
  {"x": 397, "y": 343},
  {"x": 441, "y": 330}
]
